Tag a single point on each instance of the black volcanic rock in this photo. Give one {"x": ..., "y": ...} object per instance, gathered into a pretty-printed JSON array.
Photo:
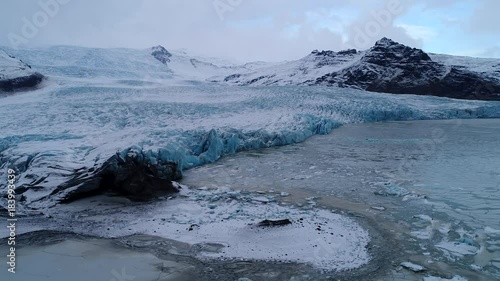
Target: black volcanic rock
[
  {"x": 389, "y": 53},
  {"x": 273, "y": 223},
  {"x": 347, "y": 52},
  {"x": 329, "y": 53},
  {"x": 330, "y": 58},
  {"x": 16, "y": 75},
  {"x": 391, "y": 67},
  {"x": 323, "y": 53},
  {"x": 232, "y": 77},
  {"x": 161, "y": 54},
  {"x": 23, "y": 82},
  {"x": 130, "y": 173}
]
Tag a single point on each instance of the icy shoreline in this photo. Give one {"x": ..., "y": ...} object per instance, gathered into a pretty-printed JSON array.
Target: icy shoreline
[{"x": 221, "y": 224}]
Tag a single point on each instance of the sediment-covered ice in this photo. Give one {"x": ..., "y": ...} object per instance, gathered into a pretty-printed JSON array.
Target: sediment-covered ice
[
  {"x": 223, "y": 224},
  {"x": 319, "y": 237},
  {"x": 78, "y": 122}
]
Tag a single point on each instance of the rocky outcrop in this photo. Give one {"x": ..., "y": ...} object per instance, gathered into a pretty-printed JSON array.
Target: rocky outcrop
[
  {"x": 133, "y": 173},
  {"x": 161, "y": 54},
  {"x": 272, "y": 223},
  {"x": 23, "y": 82},
  {"x": 16, "y": 75},
  {"x": 391, "y": 67}
]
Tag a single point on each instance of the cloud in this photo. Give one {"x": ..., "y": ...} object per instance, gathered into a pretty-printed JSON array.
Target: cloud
[
  {"x": 485, "y": 19},
  {"x": 491, "y": 52},
  {"x": 419, "y": 32},
  {"x": 243, "y": 29}
]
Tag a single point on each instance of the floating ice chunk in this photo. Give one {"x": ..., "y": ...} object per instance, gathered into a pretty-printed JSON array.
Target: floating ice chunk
[
  {"x": 413, "y": 196},
  {"x": 476, "y": 267},
  {"x": 424, "y": 234},
  {"x": 424, "y": 217},
  {"x": 301, "y": 177},
  {"x": 413, "y": 267},
  {"x": 433, "y": 278},
  {"x": 457, "y": 249},
  {"x": 445, "y": 228},
  {"x": 490, "y": 230},
  {"x": 234, "y": 194},
  {"x": 261, "y": 199}
]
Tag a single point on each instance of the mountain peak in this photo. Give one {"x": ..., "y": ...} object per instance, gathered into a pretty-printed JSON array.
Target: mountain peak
[
  {"x": 329, "y": 53},
  {"x": 386, "y": 42},
  {"x": 323, "y": 53},
  {"x": 161, "y": 54},
  {"x": 386, "y": 51},
  {"x": 159, "y": 48}
]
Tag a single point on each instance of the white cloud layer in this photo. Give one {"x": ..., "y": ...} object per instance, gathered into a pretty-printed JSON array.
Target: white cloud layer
[{"x": 243, "y": 29}]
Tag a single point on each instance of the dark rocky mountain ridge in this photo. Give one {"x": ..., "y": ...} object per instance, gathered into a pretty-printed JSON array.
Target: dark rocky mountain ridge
[{"x": 387, "y": 67}]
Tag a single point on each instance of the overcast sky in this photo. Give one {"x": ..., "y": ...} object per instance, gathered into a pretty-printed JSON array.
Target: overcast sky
[{"x": 248, "y": 30}]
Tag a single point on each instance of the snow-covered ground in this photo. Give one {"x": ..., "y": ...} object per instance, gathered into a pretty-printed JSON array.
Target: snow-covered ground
[
  {"x": 221, "y": 224},
  {"x": 488, "y": 66},
  {"x": 11, "y": 68},
  {"x": 297, "y": 72}
]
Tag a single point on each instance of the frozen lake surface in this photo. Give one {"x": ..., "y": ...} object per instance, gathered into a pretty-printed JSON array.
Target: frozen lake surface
[{"x": 441, "y": 179}]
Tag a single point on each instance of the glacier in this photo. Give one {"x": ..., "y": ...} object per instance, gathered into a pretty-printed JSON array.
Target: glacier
[{"x": 122, "y": 101}]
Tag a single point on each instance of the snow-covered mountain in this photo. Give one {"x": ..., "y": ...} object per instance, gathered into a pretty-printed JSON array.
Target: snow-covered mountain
[
  {"x": 189, "y": 67},
  {"x": 300, "y": 72},
  {"x": 485, "y": 66},
  {"x": 15, "y": 74},
  {"x": 387, "y": 67}
]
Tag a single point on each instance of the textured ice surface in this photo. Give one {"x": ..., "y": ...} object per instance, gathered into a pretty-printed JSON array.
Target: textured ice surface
[{"x": 99, "y": 103}]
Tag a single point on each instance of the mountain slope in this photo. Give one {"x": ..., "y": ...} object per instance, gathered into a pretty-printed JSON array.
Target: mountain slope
[
  {"x": 387, "y": 67},
  {"x": 299, "y": 72},
  {"x": 15, "y": 74},
  {"x": 185, "y": 66}
]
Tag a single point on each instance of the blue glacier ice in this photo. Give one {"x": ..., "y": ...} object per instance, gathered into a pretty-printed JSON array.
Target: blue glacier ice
[{"x": 97, "y": 104}]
